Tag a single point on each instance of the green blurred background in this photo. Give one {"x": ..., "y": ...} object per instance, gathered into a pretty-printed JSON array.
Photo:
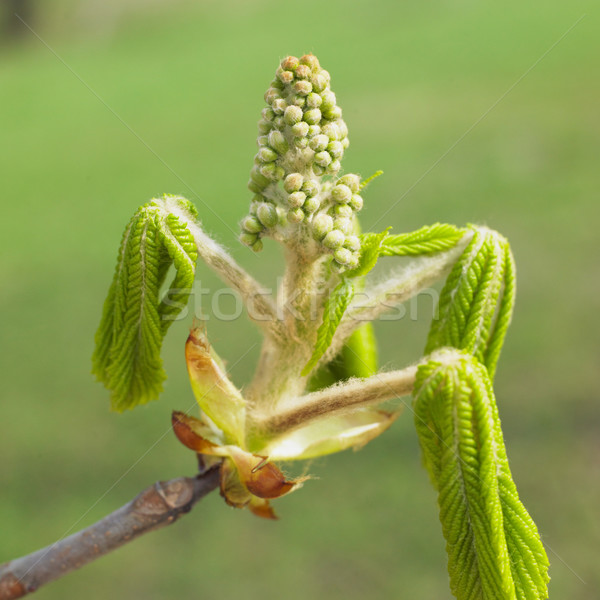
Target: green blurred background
[{"x": 188, "y": 79}]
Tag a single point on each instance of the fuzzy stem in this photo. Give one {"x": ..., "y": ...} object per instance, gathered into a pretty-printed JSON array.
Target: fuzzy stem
[
  {"x": 258, "y": 300},
  {"x": 338, "y": 399},
  {"x": 157, "y": 506},
  {"x": 396, "y": 289}
]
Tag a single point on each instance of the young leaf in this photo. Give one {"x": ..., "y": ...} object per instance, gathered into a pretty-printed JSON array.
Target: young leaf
[
  {"x": 370, "y": 248},
  {"x": 494, "y": 549},
  {"x": 335, "y": 306},
  {"x": 427, "y": 240},
  {"x": 134, "y": 319},
  {"x": 476, "y": 303}
]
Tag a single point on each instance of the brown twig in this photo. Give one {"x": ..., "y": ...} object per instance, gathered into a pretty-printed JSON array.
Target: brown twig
[{"x": 159, "y": 505}]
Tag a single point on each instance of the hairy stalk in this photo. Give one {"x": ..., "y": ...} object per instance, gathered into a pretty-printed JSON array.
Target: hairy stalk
[
  {"x": 385, "y": 296},
  {"x": 338, "y": 399},
  {"x": 258, "y": 301}
]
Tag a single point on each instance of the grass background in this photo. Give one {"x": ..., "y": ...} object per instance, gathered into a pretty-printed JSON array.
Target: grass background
[{"x": 413, "y": 79}]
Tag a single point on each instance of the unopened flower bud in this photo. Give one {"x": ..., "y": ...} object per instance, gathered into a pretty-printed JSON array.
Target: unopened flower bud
[
  {"x": 277, "y": 142},
  {"x": 356, "y": 202},
  {"x": 343, "y": 210},
  {"x": 332, "y": 131},
  {"x": 285, "y": 76},
  {"x": 313, "y": 130},
  {"x": 279, "y": 106},
  {"x": 321, "y": 225},
  {"x": 352, "y": 243},
  {"x": 267, "y": 214},
  {"x": 293, "y": 182},
  {"x": 264, "y": 127},
  {"x": 292, "y": 115},
  {"x": 290, "y": 63},
  {"x": 302, "y": 87},
  {"x": 313, "y": 100},
  {"x": 328, "y": 100},
  {"x": 303, "y": 72},
  {"x": 342, "y": 127},
  {"x": 334, "y": 166},
  {"x": 341, "y": 193},
  {"x": 334, "y": 239},
  {"x": 257, "y": 176},
  {"x": 262, "y": 140},
  {"x": 352, "y": 181},
  {"x": 255, "y": 187},
  {"x": 311, "y": 205},
  {"x": 301, "y": 142},
  {"x": 271, "y": 95},
  {"x": 257, "y": 246},
  {"x": 318, "y": 170},
  {"x": 266, "y": 154},
  {"x": 252, "y": 225},
  {"x": 343, "y": 256},
  {"x": 296, "y": 199},
  {"x": 295, "y": 215},
  {"x": 342, "y": 224},
  {"x": 322, "y": 158},
  {"x": 319, "y": 142},
  {"x": 248, "y": 238},
  {"x": 312, "y": 116},
  {"x": 300, "y": 129},
  {"x": 297, "y": 100},
  {"x": 268, "y": 114},
  {"x": 319, "y": 82},
  {"x": 310, "y": 188},
  {"x": 333, "y": 113},
  {"x": 345, "y": 143},
  {"x": 335, "y": 149},
  {"x": 310, "y": 60},
  {"x": 279, "y": 122}
]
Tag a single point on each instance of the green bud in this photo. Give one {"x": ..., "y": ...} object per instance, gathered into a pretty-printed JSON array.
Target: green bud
[
  {"x": 279, "y": 122},
  {"x": 301, "y": 142},
  {"x": 266, "y": 154},
  {"x": 272, "y": 172},
  {"x": 257, "y": 198},
  {"x": 271, "y": 95},
  {"x": 285, "y": 77},
  {"x": 277, "y": 84},
  {"x": 300, "y": 129},
  {"x": 333, "y": 113},
  {"x": 262, "y": 140},
  {"x": 257, "y": 246},
  {"x": 293, "y": 182},
  {"x": 264, "y": 127},
  {"x": 356, "y": 202},
  {"x": 341, "y": 193},
  {"x": 328, "y": 100},
  {"x": 319, "y": 82},
  {"x": 342, "y": 256},
  {"x": 334, "y": 166},
  {"x": 268, "y": 114},
  {"x": 295, "y": 215},
  {"x": 332, "y": 131},
  {"x": 352, "y": 243},
  {"x": 313, "y": 130},
  {"x": 290, "y": 63},
  {"x": 354, "y": 259},
  {"x": 296, "y": 199},
  {"x": 319, "y": 143},
  {"x": 297, "y": 100},
  {"x": 322, "y": 158},
  {"x": 302, "y": 87},
  {"x": 318, "y": 170},
  {"x": 267, "y": 214},
  {"x": 343, "y": 225},
  {"x": 343, "y": 127},
  {"x": 310, "y": 188},
  {"x": 279, "y": 106},
  {"x": 278, "y": 142},
  {"x": 292, "y": 115},
  {"x": 303, "y": 72},
  {"x": 311, "y": 61},
  {"x": 311, "y": 205},
  {"x": 334, "y": 239},
  {"x": 255, "y": 187},
  {"x": 252, "y": 225},
  {"x": 248, "y": 238},
  {"x": 313, "y": 100},
  {"x": 335, "y": 149},
  {"x": 352, "y": 181},
  {"x": 342, "y": 210},
  {"x": 257, "y": 176},
  {"x": 345, "y": 143},
  {"x": 326, "y": 75},
  {"x": 312, "y": 116},
  {"x": 321, "y": 225}
]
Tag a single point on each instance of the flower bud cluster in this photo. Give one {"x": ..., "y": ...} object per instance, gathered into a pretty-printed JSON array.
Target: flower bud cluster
[{"x": 301, "y": 142}]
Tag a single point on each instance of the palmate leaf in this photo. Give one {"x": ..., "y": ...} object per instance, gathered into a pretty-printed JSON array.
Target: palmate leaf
[
  {"x": 477, "y": 300},
  {"x": 427, "y": 240},
  {"x": 135, "y": 319},
  {"x": 494, "y": 549}
]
